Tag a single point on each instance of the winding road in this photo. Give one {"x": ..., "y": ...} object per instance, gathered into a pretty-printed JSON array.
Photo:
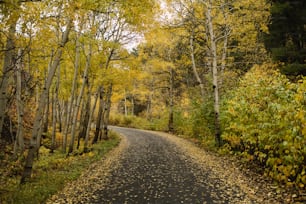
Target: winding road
[
  {"x": 153, "y": 170},
  {"x": 153, "y": 167}
]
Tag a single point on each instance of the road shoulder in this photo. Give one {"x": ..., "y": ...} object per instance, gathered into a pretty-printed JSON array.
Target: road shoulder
[
  {"x": 230, "y": 171},
  {"x": 96, "y": 176}
]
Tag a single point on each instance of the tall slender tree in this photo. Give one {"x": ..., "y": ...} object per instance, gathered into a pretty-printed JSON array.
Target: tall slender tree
[
  {"x": 8, "y": 64},
  {"x": 42, "y": 102}
]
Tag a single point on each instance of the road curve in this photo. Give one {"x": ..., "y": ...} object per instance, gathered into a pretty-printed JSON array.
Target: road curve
[
  {"x": 154, "y": 170},
  {"x": 157, "y": 168}
]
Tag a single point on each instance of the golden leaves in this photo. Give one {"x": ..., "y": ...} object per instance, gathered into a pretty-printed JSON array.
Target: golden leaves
[{"x": 267, "y": 114}]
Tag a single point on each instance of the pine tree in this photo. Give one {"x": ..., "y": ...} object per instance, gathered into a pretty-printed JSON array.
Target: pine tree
[{"x": 287, "y": 35}]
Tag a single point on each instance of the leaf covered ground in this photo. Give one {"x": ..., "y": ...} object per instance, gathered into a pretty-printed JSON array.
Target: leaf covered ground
[
  {"x": 152, "y": 167},
  {"x": 51, "y": 172}
]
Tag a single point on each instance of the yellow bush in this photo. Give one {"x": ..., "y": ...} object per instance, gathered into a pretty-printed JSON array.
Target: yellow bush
[{"x": 265, "y": 119}]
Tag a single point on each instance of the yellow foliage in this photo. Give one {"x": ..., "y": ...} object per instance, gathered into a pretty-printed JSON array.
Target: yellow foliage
[
  {"x": 265, "y": 118},
  {"x": 91, "y": 154},
  {"x": 234, "y": 140}
]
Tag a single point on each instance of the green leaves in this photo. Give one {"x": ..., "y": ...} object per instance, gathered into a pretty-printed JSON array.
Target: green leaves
[{"x": 264, "y": 119}]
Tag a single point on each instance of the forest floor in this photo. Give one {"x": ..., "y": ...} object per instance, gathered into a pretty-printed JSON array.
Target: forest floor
[
  {"x": 51, "y": 171},
  {"x": 155, "y": 167}
]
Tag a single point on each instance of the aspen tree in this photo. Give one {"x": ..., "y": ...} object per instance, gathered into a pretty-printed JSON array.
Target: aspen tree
[
  {"x": 19, "y": 141},
  {"x": 8, "y": 64},
  {"x": 39, "y": 112},
  {"x": 104, "y": 133},
  {"x": 99, "y": 116},
  {"x": 213, "y": 47},
  {"x": 72, "y": 94},
  {"x": 78, "y": 101},
  {"x": 55, "y": 113},
  {"x": 90, "y": 121},
  {"x": 85, "y": 114}
]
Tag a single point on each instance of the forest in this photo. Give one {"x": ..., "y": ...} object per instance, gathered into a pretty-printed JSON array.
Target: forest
[{"x": 226, "y": 73}]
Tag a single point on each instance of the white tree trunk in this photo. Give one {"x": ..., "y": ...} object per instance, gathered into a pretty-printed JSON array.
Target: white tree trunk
[
  {"x": 56, "y": 108},
  {"x": 78, "y": 102},
  {"x": 72, "y": 94},
  {"x": 90, "y": 121},
  {"x": 107, "y": 112},
  {"x": 42, "y": 102},
  {"x": 19, "y": 142},
  {"x": 214, "y": 56},
  {"x": 8, "y": 65},
  {"x": 225, "y": 45},
  {"x": 194, "y": 68},
  {"x": 54, "y": 120}
]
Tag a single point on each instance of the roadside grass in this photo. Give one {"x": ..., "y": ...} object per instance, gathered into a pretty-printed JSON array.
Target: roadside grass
[
  {"x": 51, "y": 172},
  {"x": 158, "y": 124}
]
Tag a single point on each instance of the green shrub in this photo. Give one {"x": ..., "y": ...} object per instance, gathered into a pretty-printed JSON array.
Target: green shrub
[
  {"x": 182, "y": 123},
  {"x": 264, "y": 119},
  {"x": 202, "y": 118},
  {"x": 51, "y": 172},
  {"x": 139, "y": 122}
]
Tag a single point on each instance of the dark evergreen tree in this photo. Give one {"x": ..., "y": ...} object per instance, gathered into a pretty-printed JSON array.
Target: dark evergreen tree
[{"x": 287, "y": 35}]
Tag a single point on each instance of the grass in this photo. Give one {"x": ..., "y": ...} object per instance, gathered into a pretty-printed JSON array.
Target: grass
[
  {"x": 51, "y": 172},
  {"x": 160, "y": 124}
]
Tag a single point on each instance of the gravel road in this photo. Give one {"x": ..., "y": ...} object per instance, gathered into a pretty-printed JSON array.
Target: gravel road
[{"x": 157, "y": 168}]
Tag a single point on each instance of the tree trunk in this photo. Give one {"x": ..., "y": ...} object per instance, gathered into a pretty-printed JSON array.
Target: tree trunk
[
  {"x": 64, "y": 116},
  {"x": 223, "y": 58},
  {"x": 40, "y": 109},
  {"x": 85, "y": 117},
  {"x": 89, "y": 122},
  {"x": 213, "y": 45},
  {"x": 99, "y": 117},
  {"x": 46, "y": 118},
  {"x": 102, "y": 104},
  {"x": 225, "y": 45},
  {"x": 194, "y": 68},
  {"x": 149, "y": 102},
  {"x": 171, "y": 83},
  {"x": 102, "y": 121},
  {"x": 133, "y": 105},
  {"x": 53, "y": 136},
  {"x": 55, "y": 113},
  {"x": 19, "y": 142},
  {"x": 107, "y": 112},
  {"x": 59, "y": 115},
  {"x": 39, "y": 134},
  {"x": 8, "y": 64},
  {"x": 78, "y": 102},
  {"x": 72, "y": 94},
  {"x": 125, "y": 103},
  {"x": 58, "y": 104}
]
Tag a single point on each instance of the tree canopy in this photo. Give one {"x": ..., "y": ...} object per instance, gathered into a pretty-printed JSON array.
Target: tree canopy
[
  {"x": 286, "y": 39},
  {"x": 200, "y": 68}
]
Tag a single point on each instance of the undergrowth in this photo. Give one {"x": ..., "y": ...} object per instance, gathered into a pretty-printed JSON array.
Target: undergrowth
[
  {"x": 158, "y": 124},
  {"x": 264, "y": 121},
  {"x": 51, "y": 172}
]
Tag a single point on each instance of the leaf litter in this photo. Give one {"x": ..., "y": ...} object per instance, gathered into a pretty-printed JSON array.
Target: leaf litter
[{"x": 156, "y": 167}]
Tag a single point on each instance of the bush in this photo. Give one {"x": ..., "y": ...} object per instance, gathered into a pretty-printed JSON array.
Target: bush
[
  {"x": 138, "y": 122},
  {"x": 202, "y": 118},
  {"x": 182, "y": 123},
  {"x": 121, "y": 120},
  {"x": 196, "y": 122},
  {"x": 264, "y": 119},
  {"x": 51, "y": 172}
]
